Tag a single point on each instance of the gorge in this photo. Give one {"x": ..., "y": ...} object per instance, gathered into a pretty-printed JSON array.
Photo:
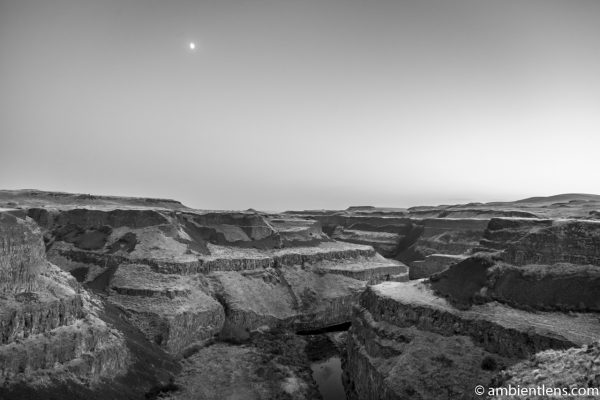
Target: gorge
[{"x": 127, "y": 298}]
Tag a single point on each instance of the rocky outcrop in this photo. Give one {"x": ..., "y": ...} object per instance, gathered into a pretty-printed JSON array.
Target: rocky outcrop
[
  {"x": 502, "y": 231},
  {"x": 173, "y": 311},
  {"x": 86, "y": 242},
  {"x": 321, "y": 299},
  {"x": 49, "y": 326},
  {"x": 22, "y": 255},
  {"x": 301, "y": 293},
  {"x": 388, "y": 233},
  {"x": 373, "y": 269},
  {"x": 564, "y": 287},
  {"x": 429, "y": 245},
  {"x": 449, "y": 235},
  {"x": 385, "y": 243},
  {"x": 433, "y": 264},
  {"x": 543, "y": 241},
  {"x": 298, "y": 231},
  {"x": 402, "y": 335},
  {"x": 441, "y": 242},
  {"x": 232, "y": 229},
  {"x": 574, "y": 372},
  {"x": 350, "y": 219},
  {"x": 576, "y": 242},
  {"x": 253, "y": 299}
]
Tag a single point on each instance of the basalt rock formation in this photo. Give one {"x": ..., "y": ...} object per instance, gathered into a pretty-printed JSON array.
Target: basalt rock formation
[
  {"x": 180, "y": 281},
  {"x": 183, "y": 276},
  {"x": 532, "y": 288},
  {"x": 426, "y": 245},
  {"x": 56, "y": 338},
  {"x": 127, "y": 298},
  {"x": 46, "y": 319},
  {"x": 480, "y": 279},
  {"x": 406, "y": 342}
]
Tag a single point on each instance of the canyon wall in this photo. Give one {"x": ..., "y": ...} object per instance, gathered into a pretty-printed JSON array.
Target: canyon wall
[
  {"x": 99, "y": 293},
  {"x": 49, "y": 326}
]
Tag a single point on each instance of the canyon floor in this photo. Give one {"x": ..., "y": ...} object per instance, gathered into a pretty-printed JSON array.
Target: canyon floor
[{"x": 133, "y": 298}]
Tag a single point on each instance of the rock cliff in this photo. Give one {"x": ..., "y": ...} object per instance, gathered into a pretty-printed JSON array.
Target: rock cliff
[
  {"x": 127, "y": 298},
  {"x": 407, "y": 342},
  {"x": 49, "y": 327},
  {"x": 426, "y": 245}
]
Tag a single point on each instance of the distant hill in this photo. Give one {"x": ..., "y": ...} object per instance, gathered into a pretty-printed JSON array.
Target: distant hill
[
  {"x": 40, "y": 198},
  {"x": 561, "y": 198}
]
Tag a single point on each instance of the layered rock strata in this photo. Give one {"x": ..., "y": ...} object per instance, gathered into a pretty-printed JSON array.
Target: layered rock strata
[
  {"x": 479, "y": 279},
  {"x": 306, "y": 288},
  {"x": 185, "y": 277},
  {"x": 426, "y": 245},
  {"x": 406, "y": 341},
  {"x": 569, "y": 241},
  {"x": 386, "y": 243},
  {"x": 173, "y": 311},
  {"x": 49, "y": 327}
]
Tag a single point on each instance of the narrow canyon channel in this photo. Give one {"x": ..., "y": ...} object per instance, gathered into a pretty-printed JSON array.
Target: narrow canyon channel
[
  {"x": 328, "y": 375},
  {"x": 324, "y": 350}
]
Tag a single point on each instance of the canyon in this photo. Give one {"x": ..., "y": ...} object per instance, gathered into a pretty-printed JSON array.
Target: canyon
[{"x": 127, "y": 298}]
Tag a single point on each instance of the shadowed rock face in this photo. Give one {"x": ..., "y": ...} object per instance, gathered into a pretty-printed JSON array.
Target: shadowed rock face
[
  {"x": 564, "y": 287},
  {"x": 235, "y": 229},
  {"x": 49, "y": 328},
  {"x": 463, "y": 283},
  {"x": 304, "y": 288},
  {"x": 385, "y": 243},
  {"x": 576, "y": 242},
  {"x": 500, "y": 231},
  {"x": 22, "y": 255},
  {"x": 536, "y": 289},
  {"x": 172, "y": 311},
  {"x": 407, "y": 342}
]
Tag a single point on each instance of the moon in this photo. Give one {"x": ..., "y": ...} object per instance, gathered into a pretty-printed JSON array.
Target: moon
[{"x": 192, "y": 46}]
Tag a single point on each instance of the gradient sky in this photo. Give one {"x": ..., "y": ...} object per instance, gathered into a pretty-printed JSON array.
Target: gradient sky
[{"x": 301, "y": 104}]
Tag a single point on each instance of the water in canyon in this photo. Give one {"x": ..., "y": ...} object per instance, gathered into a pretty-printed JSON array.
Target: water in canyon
[
  {"x": 328, "y": 374},
  {"x": 323, "y": 349}
]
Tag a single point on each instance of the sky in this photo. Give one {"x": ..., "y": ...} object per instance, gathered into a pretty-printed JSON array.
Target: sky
[{"x": 301, "y": 104}]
